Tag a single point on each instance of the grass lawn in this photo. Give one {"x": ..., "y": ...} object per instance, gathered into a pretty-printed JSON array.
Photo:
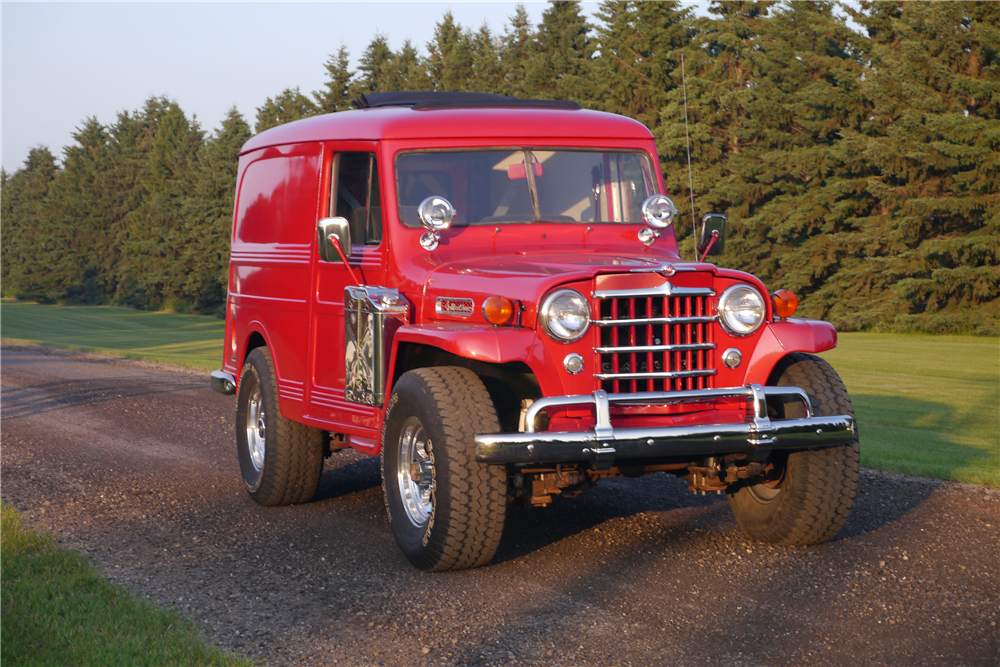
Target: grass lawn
[
  {"x": 926, "y": 405},
  {"x": 57, "y": 610},
  {"x": 194, "y": 341}
]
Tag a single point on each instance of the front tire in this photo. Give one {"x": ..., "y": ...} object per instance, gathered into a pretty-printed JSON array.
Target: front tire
[
  {"x": 806, "y": 496},
  {"x": 446, "y": 510},
  {"x": 281, "y": 461}
]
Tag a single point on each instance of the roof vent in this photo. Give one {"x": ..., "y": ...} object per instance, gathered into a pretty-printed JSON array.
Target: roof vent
[{"x": 436, "y": 100}]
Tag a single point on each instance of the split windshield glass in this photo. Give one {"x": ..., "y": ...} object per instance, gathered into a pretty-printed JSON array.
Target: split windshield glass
[{"x": 526, "y": 185}]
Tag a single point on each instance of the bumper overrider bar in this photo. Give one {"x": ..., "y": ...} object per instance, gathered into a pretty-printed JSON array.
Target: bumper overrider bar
[{"x": 756, "y": 437}]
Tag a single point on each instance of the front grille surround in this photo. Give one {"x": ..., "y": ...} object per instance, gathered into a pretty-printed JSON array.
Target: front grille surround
[{"x": 655, "y": 340}]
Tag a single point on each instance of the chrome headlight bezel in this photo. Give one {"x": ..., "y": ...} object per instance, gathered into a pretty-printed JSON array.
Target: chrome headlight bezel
[
  {"x": 734, "y": 325},
  {"x": 556, "y": 327}
]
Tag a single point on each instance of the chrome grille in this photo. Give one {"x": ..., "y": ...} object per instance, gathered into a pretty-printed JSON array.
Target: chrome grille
[{"x": 655, "y": 342}]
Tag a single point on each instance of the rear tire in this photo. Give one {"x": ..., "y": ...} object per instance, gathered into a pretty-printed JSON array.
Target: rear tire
[
  {"x": 805, "y": 497},
  {"x": 281, "y": 460},
  {"x": 446, "y": 510}
]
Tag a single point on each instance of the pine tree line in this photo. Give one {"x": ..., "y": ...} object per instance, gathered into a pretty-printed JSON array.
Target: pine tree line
[{"x": 862, "y": 171}]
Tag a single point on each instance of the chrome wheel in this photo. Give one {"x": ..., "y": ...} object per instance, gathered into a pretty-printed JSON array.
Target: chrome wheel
[
  {"x": 256, "y": 429},
  {"x": 415, "y": 472}
]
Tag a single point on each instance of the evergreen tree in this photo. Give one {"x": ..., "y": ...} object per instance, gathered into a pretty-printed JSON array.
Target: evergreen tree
[
  {"x": 449, "y": 65},
  {"x": 925, "y": 253},
  {"x": 27, "y": 242},
  {"x": 562, "y": 55},
  {"x": 289, "y": 105},
  {"x": 152, "y": 270},
  {"x": 793, "y": 184},
  {"x": 377, "y": 71},
  {"x": 487, "y": 73},
  {"x": 408, "y": 72},
  {"x": 639, "y": 44},
  {"x": 336, "y": 93},
  {"x": 127, "y": 154},
  {"x": 208, "y": 216},
  {"x": 515, "y": 55},
  {"x": 80, "y": 211}
]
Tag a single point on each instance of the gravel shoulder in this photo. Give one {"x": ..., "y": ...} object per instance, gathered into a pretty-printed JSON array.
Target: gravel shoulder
[{"x": 135, "y": 465}]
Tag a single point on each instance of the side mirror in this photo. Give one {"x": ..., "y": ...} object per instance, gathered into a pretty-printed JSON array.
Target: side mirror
[
  {"x": 339, "y": 229},
  {"x": 712, "y": 239}
]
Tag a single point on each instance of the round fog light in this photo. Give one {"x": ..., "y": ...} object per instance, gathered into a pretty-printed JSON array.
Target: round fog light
[
  {"x": 573, "y": 363},
  {"x": 732, "y": 357}
]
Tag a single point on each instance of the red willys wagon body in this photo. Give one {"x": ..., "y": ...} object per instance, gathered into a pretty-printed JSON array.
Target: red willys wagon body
[{"x": 488, "y": 293}]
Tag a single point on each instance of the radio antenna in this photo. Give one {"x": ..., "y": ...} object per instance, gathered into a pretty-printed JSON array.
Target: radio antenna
[{"x": 687, "y": 138}]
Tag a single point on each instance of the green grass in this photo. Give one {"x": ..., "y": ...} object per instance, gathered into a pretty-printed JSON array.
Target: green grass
[
  {"x": 926, "y": 405},
  {"x": 194, "y": 341},
  {"x": 58, "y": 611}
]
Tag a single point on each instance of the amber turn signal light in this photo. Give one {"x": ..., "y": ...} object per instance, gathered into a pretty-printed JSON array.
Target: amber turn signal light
[
  {"x": 784, "y": 302},
  {"x": 498, "y": 310}
]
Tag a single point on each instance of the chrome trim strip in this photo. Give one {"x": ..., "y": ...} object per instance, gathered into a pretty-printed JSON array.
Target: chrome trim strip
[
  {"x": 664, "y": 289},
  {"x": 655, "y": 320},
  {"x": 223, "y": 382},
  {"x": 656, "y": 348},
  {"x": 677, "y": 268},
  {"x": 661, "y": 375}
]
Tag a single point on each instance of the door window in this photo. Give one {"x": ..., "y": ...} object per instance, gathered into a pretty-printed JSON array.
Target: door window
[{"x": 356, "y": 196}]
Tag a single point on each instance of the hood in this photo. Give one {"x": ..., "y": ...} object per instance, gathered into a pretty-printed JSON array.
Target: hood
[
  {"x": 529, "y": 272},
  {"x": 525, "y": 276}
]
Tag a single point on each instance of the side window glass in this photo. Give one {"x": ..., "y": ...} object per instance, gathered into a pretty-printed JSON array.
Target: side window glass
[
  {"x": 356, "y": 196},
  {"x": 373, "y": 234}
]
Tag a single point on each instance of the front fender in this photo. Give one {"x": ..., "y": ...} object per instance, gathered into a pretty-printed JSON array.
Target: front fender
[
  {"x": 485, "y": 343},
  {"x": 783, "y": 338}
]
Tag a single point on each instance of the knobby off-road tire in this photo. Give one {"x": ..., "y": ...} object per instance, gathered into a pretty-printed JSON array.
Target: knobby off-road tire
[
  {"x": 281, "y": 460},
  {"x": 812, "y": 491},
  {"x": 446, "y": 510}
]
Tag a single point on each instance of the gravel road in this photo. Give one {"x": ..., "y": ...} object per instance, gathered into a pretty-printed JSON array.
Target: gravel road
[{"x": 135, "y": 465}]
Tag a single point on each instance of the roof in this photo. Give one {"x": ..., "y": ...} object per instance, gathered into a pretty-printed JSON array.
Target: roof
[
  {"x": 512, "y": 125},
  {"x": 441, "y": 100}
]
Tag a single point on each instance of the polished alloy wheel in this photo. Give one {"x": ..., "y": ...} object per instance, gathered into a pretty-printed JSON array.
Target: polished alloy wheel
[
  {"x": 256, "y": 429},
  {"x": 415, "y": 473}
]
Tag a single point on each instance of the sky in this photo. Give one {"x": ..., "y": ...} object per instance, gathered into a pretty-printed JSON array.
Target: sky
[{"x": 63, "y": 62}]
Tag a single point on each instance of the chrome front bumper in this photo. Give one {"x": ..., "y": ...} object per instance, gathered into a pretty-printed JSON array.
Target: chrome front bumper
[{"x": 756, "y": 437}]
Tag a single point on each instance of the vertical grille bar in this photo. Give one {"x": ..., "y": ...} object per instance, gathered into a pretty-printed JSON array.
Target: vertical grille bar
[
  {"x": 650, "y": 362},
  {"x": 633, "y": 368},
  {"x": 616, "y": 388}
]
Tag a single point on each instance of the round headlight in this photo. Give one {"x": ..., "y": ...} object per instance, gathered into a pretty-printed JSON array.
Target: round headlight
[
  {"x": 741, "y": 310},
  {"x": 565, "y": 314}
]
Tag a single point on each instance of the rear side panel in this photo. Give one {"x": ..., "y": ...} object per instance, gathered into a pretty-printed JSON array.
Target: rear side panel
[{"x": 272, "y": 243}]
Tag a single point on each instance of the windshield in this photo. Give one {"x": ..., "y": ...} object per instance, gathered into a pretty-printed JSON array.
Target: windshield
[{"x": 493, "y": 186}]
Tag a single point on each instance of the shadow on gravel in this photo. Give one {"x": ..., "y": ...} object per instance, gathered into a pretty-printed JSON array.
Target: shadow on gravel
[
  {"x": 529, "y": 529},
  {"x": 884, "y": 498},
  {"x": 49, "y": 396},
  {"x": 590, "y": 583},
  {"x": 343, "y": 477}
]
